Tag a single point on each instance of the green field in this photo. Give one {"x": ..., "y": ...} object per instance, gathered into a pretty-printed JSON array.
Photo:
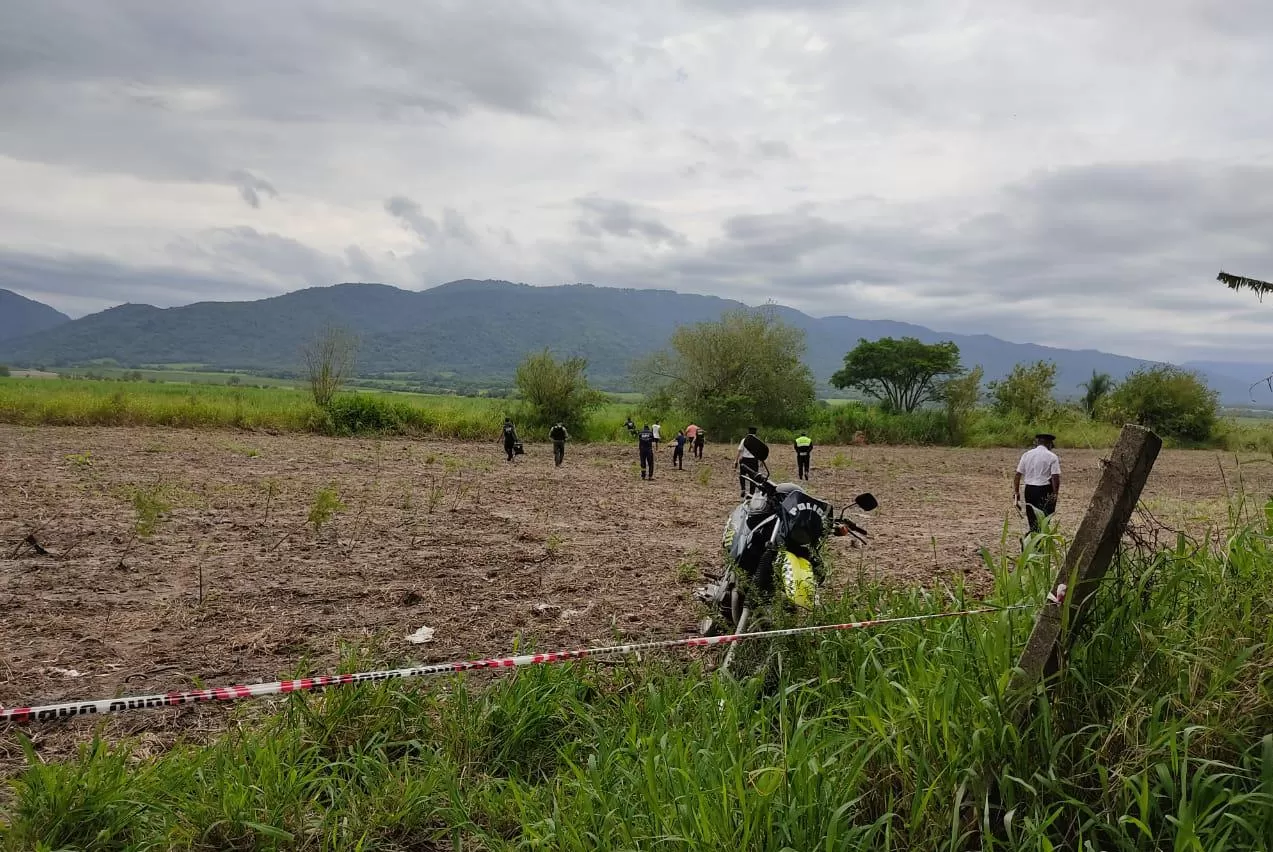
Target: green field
[
  {"x": 283, "y": 407},
  {"x": 897, "y": 738}
]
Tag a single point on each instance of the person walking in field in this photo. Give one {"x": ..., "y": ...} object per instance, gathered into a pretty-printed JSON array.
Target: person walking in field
[
  {"x": 691, "y": 432},
  {"x": 700, "y": 438},
  {"x": 658, "y": 432},
  {"x": 748, "y": 466},
  {"x": 630, "y": 426},
  {"x": 559, "y": 436},
  {"x": 804, "y": 455},
  {"x": 678, "y": 452},
  {"x": 510, "y": 438},
  {"x": 1040, "y": 469},
  {"x": 645, "y": 446}
]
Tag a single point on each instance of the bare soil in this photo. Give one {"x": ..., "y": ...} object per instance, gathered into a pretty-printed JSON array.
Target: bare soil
[{"x": 451, "y": 536}]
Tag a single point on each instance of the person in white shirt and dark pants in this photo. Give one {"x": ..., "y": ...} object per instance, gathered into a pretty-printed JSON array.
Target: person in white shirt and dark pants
[
  {"x": 748, "y": 466},
  {"x": 1040, "y": 469}
]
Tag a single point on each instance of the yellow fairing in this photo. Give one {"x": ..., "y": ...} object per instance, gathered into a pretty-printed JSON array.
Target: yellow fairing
[{"x": 797, "y": 576}]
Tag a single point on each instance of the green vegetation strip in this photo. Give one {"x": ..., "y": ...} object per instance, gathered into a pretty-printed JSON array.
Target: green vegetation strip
[
  {"x": 1158, "y": 737},
  {"x": 66, "y": 402}
]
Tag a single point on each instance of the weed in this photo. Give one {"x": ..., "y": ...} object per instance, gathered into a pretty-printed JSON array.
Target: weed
[
  {"x": 553, "y": 544},
  {"x": 840, "y": 461},
  {"x": 271, "y": 488},
  {"x": 149, "y": 507},
  {"x": 325, "y": 506},
  {"x": 687, "y": 571},
  {"x": 704, "y": 476},
  {"x": 84, "y": 459},
  {"x": 436, "y": 493}
]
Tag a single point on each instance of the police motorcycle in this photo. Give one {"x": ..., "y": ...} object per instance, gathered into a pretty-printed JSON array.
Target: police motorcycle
[{"x": 772, "y": 546}]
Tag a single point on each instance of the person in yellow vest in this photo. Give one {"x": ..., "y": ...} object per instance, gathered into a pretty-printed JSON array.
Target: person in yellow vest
[{"x": 804, "y": 454}]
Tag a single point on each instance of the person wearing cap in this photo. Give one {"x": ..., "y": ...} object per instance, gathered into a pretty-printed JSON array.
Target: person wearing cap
[
  {"x": 1040, "y": 469},
  {"x": 804, "y": 454},
  {"x": 748, "y": 466}
]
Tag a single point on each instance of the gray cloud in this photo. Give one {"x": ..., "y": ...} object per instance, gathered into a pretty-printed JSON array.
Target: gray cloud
[
  {"x": 412, "y": 217},
  {"x": 1069, "y": 173},
  {"x": 454, "y": 226},
  {"x": 251, "y": 187},
  {"x": 623, "y": 219}
]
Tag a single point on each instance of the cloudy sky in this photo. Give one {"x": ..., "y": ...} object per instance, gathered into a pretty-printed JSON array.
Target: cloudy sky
[{"x": 1067, "y": 173}]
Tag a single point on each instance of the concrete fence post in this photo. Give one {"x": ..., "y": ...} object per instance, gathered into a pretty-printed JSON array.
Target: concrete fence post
[{"x": 1090, "y": 553}]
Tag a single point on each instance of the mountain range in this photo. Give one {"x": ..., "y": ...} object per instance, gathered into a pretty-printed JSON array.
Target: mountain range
[
  {"x": 21, "y": 316},
  {"x": 479, "y": 330}
]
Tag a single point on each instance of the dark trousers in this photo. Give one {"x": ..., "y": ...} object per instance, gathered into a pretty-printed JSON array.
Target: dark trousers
[
  {"x": 508, "y": 449},
  {"x": 1040, "y": 502},
  {"x": 802, "y": 465},
  {"x": 698, "y": 448},
  {"x": 678, "y": 457},
  {"x": 559, "y": 452},
  {"x": 647, "y": 462},
  {"x": 747, "y": 467}
]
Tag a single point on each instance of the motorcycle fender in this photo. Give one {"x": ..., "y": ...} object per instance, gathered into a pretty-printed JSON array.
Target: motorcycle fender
[{"x": 798, "y": 580}]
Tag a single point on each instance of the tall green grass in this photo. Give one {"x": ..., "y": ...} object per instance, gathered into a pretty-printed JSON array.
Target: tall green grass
[
  {"x": 69, "y": 402},
  {"x": 905, "y": 737}
]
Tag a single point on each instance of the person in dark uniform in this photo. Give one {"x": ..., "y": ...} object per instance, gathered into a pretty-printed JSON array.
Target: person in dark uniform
[
  {"x": 630, "y": 426},
  {"x": 510, "y": 437},
  {"x": 645, "y": 445},
  {"x": 748, "y": 466},
  {"x": 1040, "y": 469},
  {"x": 559, "y": 436},
  {"x": 804, "y": 454},
  {"x": 678, "y": 452},
  {"x": 700, "y": 439}
]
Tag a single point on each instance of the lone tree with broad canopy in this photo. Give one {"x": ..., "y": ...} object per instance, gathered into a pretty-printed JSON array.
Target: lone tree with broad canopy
[
  {"x": 556, "y": 391},
  {"x": 329, "y": 362},
  {"x": 744, "y": 369},
  {"x": 902, "y": 374}
]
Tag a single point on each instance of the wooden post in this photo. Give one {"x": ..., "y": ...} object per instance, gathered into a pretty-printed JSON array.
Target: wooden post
[{"x": 1089, "y": 556}]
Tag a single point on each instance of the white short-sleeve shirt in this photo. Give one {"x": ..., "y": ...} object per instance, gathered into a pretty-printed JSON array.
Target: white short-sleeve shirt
[{"x": 1038, "y": 466}]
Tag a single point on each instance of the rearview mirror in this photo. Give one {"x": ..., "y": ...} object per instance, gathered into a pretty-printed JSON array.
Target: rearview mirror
[
  {"x": 866, "y": 502},
  {"x": 756, "y": 447}
]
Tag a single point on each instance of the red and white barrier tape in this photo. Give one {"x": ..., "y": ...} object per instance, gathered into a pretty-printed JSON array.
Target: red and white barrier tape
[{"x": 50, "y": 712}]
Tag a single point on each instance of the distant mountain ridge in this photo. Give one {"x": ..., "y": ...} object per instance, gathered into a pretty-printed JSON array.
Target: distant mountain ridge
[
  {"x": 20, "y": 316},
  {"x": 481, "y": 329}
]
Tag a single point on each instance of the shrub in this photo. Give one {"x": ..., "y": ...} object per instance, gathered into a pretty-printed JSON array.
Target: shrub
[
  {"x": 1173, "y": 402},
  {"x": 1026, "y": 392},
  {"x": 556, "y": 391}
]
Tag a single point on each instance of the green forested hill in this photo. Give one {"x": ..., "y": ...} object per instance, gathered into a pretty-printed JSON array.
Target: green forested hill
[{"x": 480, "y": 330}]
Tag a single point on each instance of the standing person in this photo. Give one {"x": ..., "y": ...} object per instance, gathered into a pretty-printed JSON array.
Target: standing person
[
  {"x": 559, "y": 435},
  {"x": 630, "y": 426},
  {"x": 804, "y": 454},
  {"x": 1041, "y": 470},
  {"x": 678, "y": 452},
  {"x": 645, "y": 445},
  {"x": 658, "y": 432},
  {"x": 510, "y": 437},
  {"x": 691, "y": 432},
  {"x": 747, "y": 465},
  {"x": 700, "y": 438}
]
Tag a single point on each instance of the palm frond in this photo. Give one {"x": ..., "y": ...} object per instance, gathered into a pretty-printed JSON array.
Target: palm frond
[{"x": 1239, "y": 282}]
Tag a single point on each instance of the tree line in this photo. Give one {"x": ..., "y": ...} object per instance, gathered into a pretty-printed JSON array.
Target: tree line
[{"x": 747, "y": 368}]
